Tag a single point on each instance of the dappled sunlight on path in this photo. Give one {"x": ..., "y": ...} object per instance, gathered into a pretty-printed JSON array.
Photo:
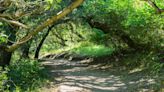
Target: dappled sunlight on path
[{"x": 71, "y": 76}]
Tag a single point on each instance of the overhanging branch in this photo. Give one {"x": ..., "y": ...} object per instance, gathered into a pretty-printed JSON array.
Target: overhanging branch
[
  {"x": 105, "y": 27},
  {"x": 45, "y": 24}
]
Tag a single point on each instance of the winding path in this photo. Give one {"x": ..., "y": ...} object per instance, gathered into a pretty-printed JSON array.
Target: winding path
[{"x": 76, "y": 76}]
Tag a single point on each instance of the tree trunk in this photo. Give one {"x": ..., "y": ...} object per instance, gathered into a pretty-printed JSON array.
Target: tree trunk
[
  {"x": 5, "y": 58},
  {"x": 41, "y": 43},
  {"x": 25, "y": 49}
]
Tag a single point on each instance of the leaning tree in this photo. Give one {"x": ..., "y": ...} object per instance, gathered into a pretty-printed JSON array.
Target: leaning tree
[{"x": 11, "y": 14}]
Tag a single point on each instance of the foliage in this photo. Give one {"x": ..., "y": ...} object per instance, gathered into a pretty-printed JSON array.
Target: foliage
[
  {"x": 69, "y": 33},
  {"x": 97, "y": 36},
  {"x": 135, "y": 17},
  {"x": 3, "y": 79},
  {"x": 147, "y": 61},
  {"x": 23, "y": 75},
  {"x": 3, "y": 39}
]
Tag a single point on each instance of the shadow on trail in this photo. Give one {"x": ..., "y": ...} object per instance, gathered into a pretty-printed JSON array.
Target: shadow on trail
[{"x": 71, "y": 76}]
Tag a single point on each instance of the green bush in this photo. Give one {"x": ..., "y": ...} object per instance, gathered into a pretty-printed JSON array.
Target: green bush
[
  {"x": 25, "y": 75},
  {"x": 3, "y": 79},
  {"x": 3, "y": 38},
  {"x": 97, "y": 36},
  {"x": 148, "y": 61}
]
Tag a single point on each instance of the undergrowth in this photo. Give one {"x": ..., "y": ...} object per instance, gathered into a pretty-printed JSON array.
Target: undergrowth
[
  {"x": 147, "y": 61},
  {"x": 23, "y": 76}
]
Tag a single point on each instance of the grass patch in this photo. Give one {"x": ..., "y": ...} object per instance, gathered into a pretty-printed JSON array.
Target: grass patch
[
  {"x": 85, "y": 49},
  {"x": 92, "y": 50}
]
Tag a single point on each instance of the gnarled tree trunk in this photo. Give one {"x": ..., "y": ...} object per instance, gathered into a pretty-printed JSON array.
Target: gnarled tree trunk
[
  {"x": 5, "y": 57},
  {"x": 25, "y": 49}
]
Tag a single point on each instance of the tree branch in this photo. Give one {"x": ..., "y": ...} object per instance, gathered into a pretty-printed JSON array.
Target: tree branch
[
  {"x": 4, "y": 4},
  {"x": 6, "y": 16},
  {"x": 45, "y": 24},
  {"x": 13, "y": 22},
  {"x": 154, "y": 5}
]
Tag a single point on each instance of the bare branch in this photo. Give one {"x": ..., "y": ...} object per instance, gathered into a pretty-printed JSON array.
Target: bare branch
[
  {"x": 6, "y": 16},
  {"x": 4, "y": 4},
  {"x": 13, "y": 22}
]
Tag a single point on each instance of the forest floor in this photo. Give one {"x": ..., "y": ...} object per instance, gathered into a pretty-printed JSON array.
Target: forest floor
[{"x": 78, "y": 76}]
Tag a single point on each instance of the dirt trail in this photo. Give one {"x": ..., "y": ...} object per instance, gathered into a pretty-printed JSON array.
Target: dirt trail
[{"x": 74, "y": 76}]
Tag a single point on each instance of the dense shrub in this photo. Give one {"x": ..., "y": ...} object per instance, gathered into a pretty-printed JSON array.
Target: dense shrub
[{"x": 25, "y": 75}]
